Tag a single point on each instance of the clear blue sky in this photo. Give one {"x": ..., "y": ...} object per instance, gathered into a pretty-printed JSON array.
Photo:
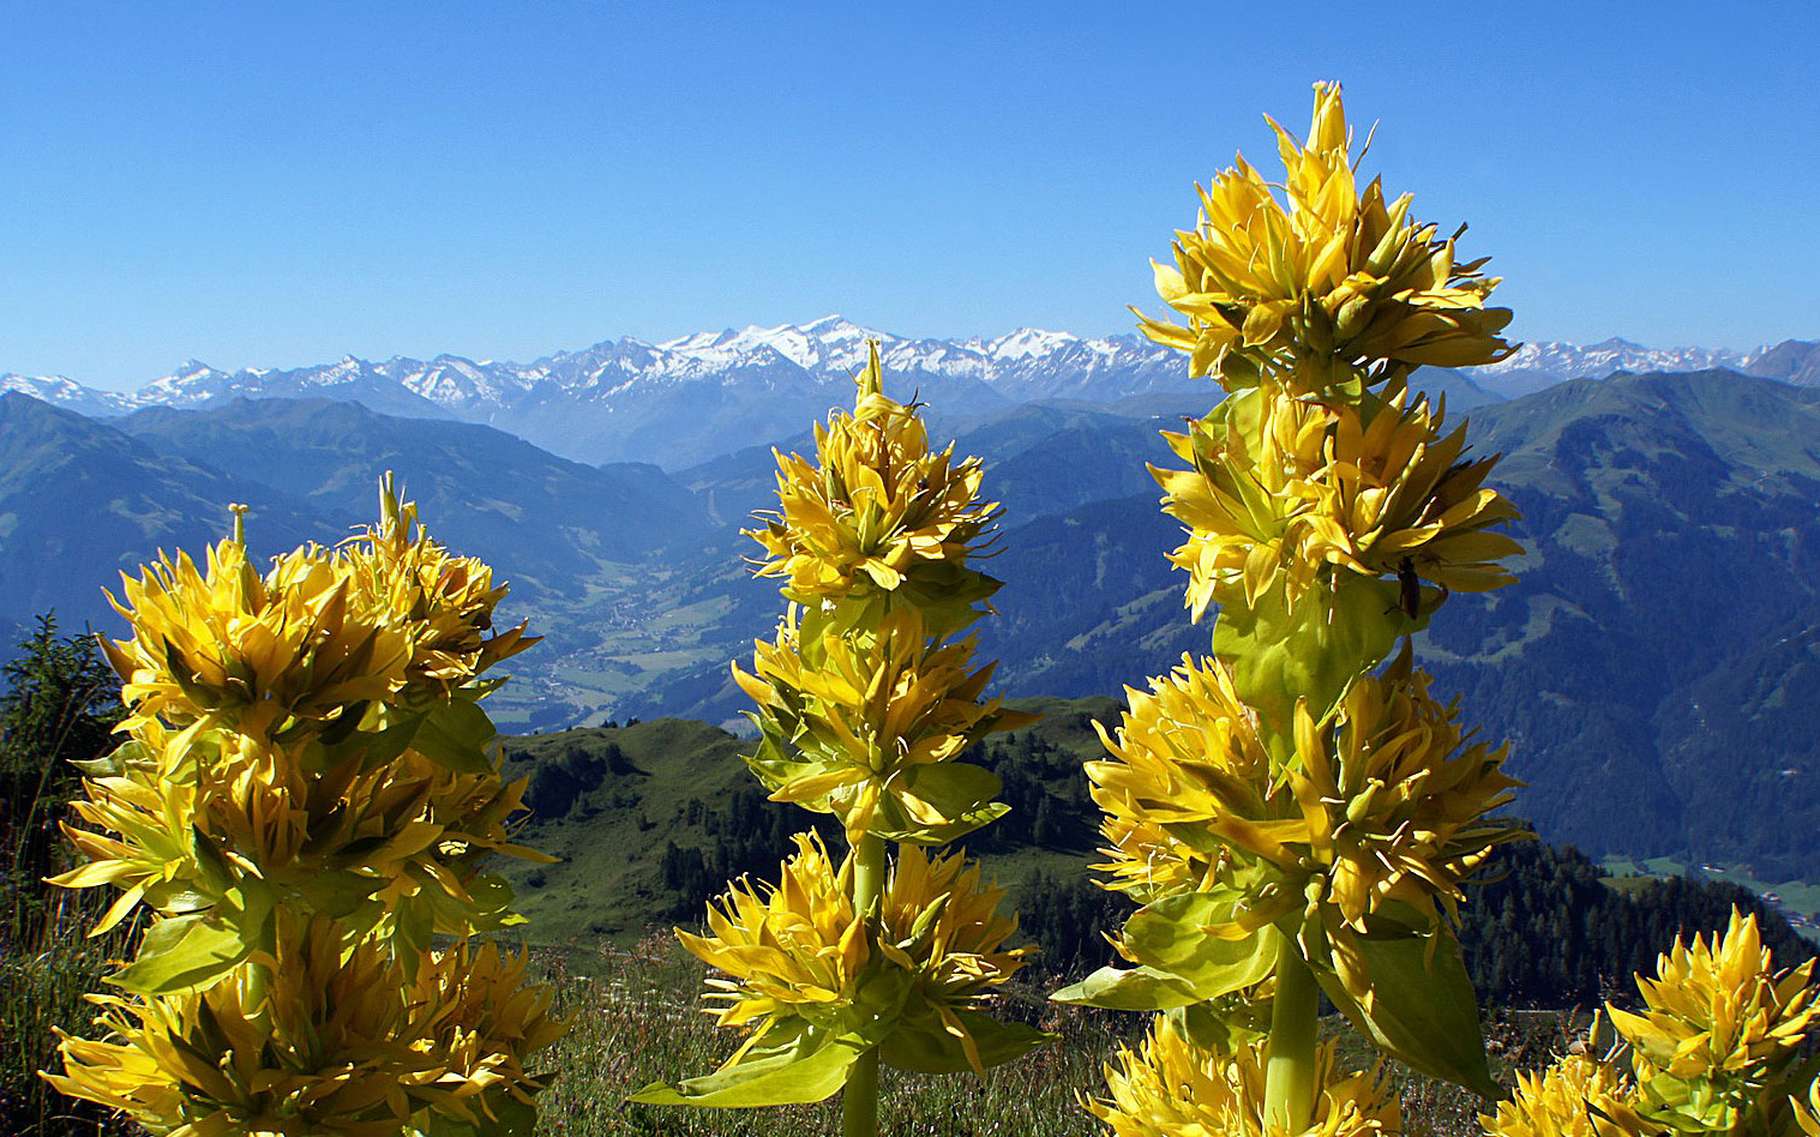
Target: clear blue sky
[{"x": 256, "y": 184}]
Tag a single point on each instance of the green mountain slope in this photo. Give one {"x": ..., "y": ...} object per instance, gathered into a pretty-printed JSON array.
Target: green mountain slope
[
  {"x": 615, "y": 802},
  {"x": 1648, "y": 670},
  {"x": 652, "y": 819},
  {"x": 80, "y": 501}
]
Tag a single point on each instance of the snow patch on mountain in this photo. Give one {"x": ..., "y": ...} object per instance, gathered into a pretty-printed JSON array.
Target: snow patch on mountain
[
  {"x": 692, "y": 397},
  {"x": 1596, "y": 361}
]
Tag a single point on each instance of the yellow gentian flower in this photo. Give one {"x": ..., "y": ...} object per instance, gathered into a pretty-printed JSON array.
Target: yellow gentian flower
[
  {"x": 879, "y": 517},
  {"x": 1309, "y": 289},
  {"x": 868, "y": 727},
  {"x": 1167, "y": 1087}
]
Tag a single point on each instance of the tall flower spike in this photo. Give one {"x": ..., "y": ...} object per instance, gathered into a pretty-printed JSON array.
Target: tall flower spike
[
  {"x": 305, "y": 800},
  {"x": 1292, "y": 816},
  {"x": 866, "y": 701},
  {"x": 1310, "y": 289}
]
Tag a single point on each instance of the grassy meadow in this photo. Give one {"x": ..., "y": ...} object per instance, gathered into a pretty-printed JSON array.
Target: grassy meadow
[{"x": 635, "y": 1019}]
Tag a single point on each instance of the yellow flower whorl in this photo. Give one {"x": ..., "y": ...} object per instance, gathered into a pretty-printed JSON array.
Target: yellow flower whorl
[
  {"x": 1167, "y": 1087},
  {"x": 1385, "y": 806},
  {"x": 854, "y": 724},
  {"x": 230, "y": 645},
  {"x": 798, "y": 949},
  {"x": 1718, "y": 1014},
  {"x": 878, "y": 512},
  {"x": 1579, "y": 1096},
  {"x": 326, "y": 1047},
  {"x": 1310, "y": 289},
  {"x": 1283, "y": 491}
]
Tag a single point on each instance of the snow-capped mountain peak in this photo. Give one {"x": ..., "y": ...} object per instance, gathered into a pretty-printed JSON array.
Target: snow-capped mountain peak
[
  {"x": 1596, "y": 361},
  {"x": 693, "y": 397},
  {"x": 1028, "y": 343}
]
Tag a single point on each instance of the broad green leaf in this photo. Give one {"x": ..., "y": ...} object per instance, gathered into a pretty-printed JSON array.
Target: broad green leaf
[
  {"x": 210, "y": 864},
  {"x": 511, "y": 1118},
  {"x": 1128, "y": 989},
  {"x": 1217, "y": 1028},
  {"x": 182, "y": 953},
  {"x": 959, "y": 791},
  {"x": 1312, "y": 651},
  {"x": 806, "y": 1064},
  {"x": 1421, "y": 1010},
  {"x": 775, "y": 764},
  {"x": 455, "y": 736},
  {"x": 373, "y": 748},
  {"x": 337, "y": 894},
  {"x": 922, "y": 1045},
  {"x": 1169, "y": 936}
]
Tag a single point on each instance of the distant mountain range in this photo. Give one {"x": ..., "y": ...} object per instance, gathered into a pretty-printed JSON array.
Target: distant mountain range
[
  {"x": 1654, "y": 668},
  {"x": 699, "y": 397}
]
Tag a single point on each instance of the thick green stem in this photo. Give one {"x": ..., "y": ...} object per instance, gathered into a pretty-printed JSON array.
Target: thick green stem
[
  {"x": 1289, "y": 1087},
  {"x": 859, "y": 1101}
]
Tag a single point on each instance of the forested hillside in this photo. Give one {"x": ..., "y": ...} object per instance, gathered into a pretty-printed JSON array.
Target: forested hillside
[{"x": 652, "y": 819}]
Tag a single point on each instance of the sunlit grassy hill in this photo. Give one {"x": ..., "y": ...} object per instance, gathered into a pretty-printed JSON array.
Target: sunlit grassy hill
[{"x": 651, "y": 819}]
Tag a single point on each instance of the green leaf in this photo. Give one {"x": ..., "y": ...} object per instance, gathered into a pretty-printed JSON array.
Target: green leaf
[
  {"x": 1312, "y": 651},
  {"x": 1128, "y": 989},
  {"x": 217, "y": 875},
  {"x": 1217, "y": 1028},
  {"x": 960, "y": 792},
  {"x": 182, "y": 953},
  {"x": 373, "y": 749},
  {"x": 336, "y": 894},
  {"x": 511, "y": 1118},
  {"x": 454, "y": 736},
  {"x": 923, "y": 1046},
  {"x": 1169, "y": 936},
  {"x": 804, "y": 1064},
  {"x": 774, "y": 762},
  {"x": 1421, "y": 1010}
]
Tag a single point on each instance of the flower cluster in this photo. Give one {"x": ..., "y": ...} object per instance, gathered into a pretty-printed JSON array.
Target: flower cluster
[
  {"x": 1579, "y": 1096},
  {"x": 258, "y": 651},
  {"x": 1283, "y": 491},
  {"x": 1166, "y": 1086},
  {"x": 1305, "y": 290},
  {"x": 798, "y": 951},
  {"x": 1378, "y": 817},
  {"x": 325, "y": 1040},
  {"x": 1713, "y": 1049},
  {"x": 868, "y": 726},
  {"x": 402, "y": 579},
  {"x": 879, "y": 516},
  {"x": 305, "y": 799}
]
